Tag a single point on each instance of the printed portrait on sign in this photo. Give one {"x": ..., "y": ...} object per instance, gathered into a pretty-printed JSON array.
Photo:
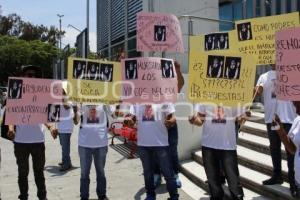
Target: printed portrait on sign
[
  {"x": 79, "y": 69},
  {"x": 106, "y": 72},
  {"x": 244, "y": 31},
  {"x": 167, "y": 69},
  {"x": 223, "y": 42},
  {"x": 160, "y": 33},
  {"x": 131, "y": 69},
  {"x": 215, "y": 66},
  {"x": 219, "y": 116},
  {"x": 232, "y": 68},
  {"x": 15, "y": 88},
  {"x": 93, "y": 71},
  {"x": 53, "y": 113},
  {"x": 92, "y": 115},
  {"x": 210, "y": 41},
  {"x": 148, "y": 114}
]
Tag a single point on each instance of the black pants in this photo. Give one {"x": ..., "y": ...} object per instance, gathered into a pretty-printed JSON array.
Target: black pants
[
  {"x": 275, "y": 148},
  {"x": 228, "y": 159},
  {"x": 37, "y": 152},
  {"x": 173, "y": 143}
]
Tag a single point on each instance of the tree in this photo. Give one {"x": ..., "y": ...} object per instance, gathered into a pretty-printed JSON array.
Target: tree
[
  {"x": 15, "y": 52},
  {"x": 13, "y": 25}
]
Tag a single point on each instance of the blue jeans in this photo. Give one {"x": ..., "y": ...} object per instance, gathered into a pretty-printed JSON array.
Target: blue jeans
[
  {"x": 161, "y": 155},
  {"x": 65, "y": 148},
  {"x": 86, "y": 156}
]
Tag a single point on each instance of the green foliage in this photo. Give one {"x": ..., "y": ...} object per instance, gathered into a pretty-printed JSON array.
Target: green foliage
[{"x": 16, "y": 52}]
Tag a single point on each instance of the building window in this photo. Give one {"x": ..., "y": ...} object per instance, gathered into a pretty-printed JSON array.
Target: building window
[
  {"x": 268, "y": 5},
  {"x": 288, "y": 6},
  {"x": 230, "y": 12},
  {"x": 257, "y": 8},
  {"x": 278, "y": 7},
  {"x": 249, "y": 7}
]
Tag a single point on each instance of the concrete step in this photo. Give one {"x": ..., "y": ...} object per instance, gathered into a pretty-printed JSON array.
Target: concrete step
[
  {"x": 259, "y": 162},
  {"x": 252, "y": 180},
  {"x": 257, "y": 143},
  {"x": 195, "y": 172},
  {"x": 255, "y": 129},
  {"x": 257, "y": 117}
]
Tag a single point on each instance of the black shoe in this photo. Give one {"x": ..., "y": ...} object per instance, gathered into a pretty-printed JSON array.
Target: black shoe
[
  {"x": 65, "y": 168},
  {"x": 60, "y": 164},
  {"x": 104, "y": 197},
  {"x": 273, "y": 181},
  {"x": 293, "y": 189}
]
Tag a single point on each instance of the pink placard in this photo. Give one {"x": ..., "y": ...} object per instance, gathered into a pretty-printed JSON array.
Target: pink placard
[
  {"x": 29, "y": 100},
  {"x": 158, "y": 32},
  {"x": 288, "y": 64},
  {"x": 149, "y": 80}
]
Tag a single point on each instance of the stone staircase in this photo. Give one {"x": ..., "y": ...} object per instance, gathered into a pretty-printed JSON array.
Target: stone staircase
[{"x": 255, "y": 164}]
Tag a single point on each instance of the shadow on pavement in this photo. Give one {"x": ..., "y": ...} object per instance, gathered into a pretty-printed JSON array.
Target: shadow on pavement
[
  {"x": 124, "y": 150},
  {"x": 162, "y": 189},
  {"x": 54, "y": 170}
]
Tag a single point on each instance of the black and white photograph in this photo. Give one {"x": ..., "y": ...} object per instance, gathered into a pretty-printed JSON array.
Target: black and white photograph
[
  {"x": 131, "y": 69},
  {"x": 223, "y": 41},
  {"x": 244, "y": 31},
  {"x": 215, "y": 66},
  {"x": 232, "y": 68},
  {"x": 160, "y": 33},
  {"x": 106, "y": 72},
  {"x": 93, "y": 71},
  {"x": 209, "y": 41},
  {"x": 53, "y": 112},
  {"x": 15, "y": 88},
  {"x": 79, "y": 69},
  {"x": 167, "y": 68}
]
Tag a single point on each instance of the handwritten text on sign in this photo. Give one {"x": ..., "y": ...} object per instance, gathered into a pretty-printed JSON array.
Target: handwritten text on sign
[
  {"x": 221, "y": 79},
  {"x": 158, "y": 32},
  {"x": 94, "y": 81},
  {"x": 28, "y": 99},
  {"x": 257, "y": 36},
  {"x": 149, "y": 80},
  {"x": 288, "y": 64}
]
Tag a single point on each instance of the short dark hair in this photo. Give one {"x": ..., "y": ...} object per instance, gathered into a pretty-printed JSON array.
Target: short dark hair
[{"x": 34, "y": 68}]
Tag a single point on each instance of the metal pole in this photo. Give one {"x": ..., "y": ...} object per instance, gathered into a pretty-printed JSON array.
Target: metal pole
[
  {"x": 88, "y": 23},
  {"x": 60, "y": 65}
]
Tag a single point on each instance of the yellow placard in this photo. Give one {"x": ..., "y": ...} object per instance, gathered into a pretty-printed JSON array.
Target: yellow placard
[
  {"x": 94, "y": 81},
  {"x": 219, "y": 42},
  {"x": 256, "y": 36},
  {"x": 223, "y": 79}
]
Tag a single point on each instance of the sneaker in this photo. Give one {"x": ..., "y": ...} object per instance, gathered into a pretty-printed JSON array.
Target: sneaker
[
  {"x": 273, "y": 181},
  {"x": 178, "y": 182},
  {"x": 104, "y": 197},
  {"x": 157, "y": 180},
  {"x": 150, "y": 197}
]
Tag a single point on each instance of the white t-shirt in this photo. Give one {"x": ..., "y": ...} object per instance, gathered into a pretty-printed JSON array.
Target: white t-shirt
[
  {"x": 151, "y": 128},
  {"x": 284, "y": 109},
  {"x": 30, "y": 134},
  {"x": 267, "y": 81},
  {"x": 66, "y": 123},
  {"x": 294, "y": 134},
  {"x": 93, "y": 128},
  {"x": 219, "y": 130}
]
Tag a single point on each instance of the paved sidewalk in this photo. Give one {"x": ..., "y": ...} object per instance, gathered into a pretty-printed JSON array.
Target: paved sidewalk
[{"x": 124, "y": 177}]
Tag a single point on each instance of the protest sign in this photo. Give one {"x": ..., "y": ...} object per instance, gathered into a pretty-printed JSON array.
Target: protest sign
[
  {"x": 220, "y": 42},
  {"x": 226, "y": 79},
  {"x": 257, "y": 36},
  {"x": 94, "y": 81},
  {"x": 28, "y": 100},
  {"x": 149, "y": 80},
  {"x": 288, "y": 64},
  {"x": 158, "y": 32}
]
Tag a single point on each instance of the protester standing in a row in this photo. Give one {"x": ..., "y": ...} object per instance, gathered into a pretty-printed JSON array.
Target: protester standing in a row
[
  {"x": 92, "y": 144},
  {"x": 291, "y": 140},
  {"x": 219, "y": 146},
  {"x": 30, "y": 140},
  {"x": 286, "y": 112}
]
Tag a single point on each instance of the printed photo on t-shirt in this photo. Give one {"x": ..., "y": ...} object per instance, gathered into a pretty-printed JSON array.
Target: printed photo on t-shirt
[
  {"x": 219, "y": 116},
  {"x": 15, "y": 88},
  {"x": 273, "y": 93},
  {"x": 92, "y": 115},
  {"x": 53, "y": 113},
  {"x": 148, "y": 114}
]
